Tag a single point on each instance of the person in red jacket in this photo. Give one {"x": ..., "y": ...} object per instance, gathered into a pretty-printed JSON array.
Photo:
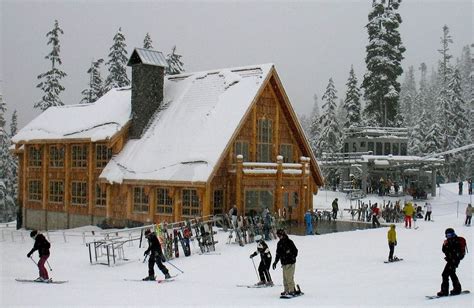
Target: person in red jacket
[
  {"x": 42, "y": 245},
  {"x": 375, "y": 215}
]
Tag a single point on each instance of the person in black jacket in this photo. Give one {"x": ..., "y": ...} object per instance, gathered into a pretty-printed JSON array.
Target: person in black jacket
[
  {"x": 42, "y": 245},
  {"x": 156, "y": 256},
  {"x": 452, "y": 261},
  {"x": 286, "y": 252},
  {"x": 265, "y": 262}
]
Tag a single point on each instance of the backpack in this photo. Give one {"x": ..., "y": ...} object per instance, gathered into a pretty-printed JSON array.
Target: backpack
[{"x": 461, "y": 247}]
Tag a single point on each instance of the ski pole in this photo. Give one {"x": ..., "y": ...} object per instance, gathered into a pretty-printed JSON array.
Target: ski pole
[
  {"x": 258, "y": 277},
  {"x": 144, "y": 259},
  {"x": 174, "y": 266},
  {"x": 33, "y": 261},
  {"x": 49, "y": 266}
]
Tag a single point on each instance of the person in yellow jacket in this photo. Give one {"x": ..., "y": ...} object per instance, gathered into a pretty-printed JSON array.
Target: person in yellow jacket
[
  {"x": 408, "y": 210},
  {"x": 392, "y": 241}
]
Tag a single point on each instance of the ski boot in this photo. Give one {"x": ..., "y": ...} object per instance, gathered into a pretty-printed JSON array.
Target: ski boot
[
  {"x": 260, "y": 283},
  {"x": 269, "y": 283},
  {"x": 149, "y": 278},
  {"x": 441, "y": 293}
]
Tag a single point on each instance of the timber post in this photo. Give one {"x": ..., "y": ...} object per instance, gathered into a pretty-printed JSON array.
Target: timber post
[
  {"x": 238, "y": 183},
  {"x": 279, "y": 186}
]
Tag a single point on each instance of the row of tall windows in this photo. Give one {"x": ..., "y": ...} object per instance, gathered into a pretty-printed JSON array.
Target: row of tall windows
[
  {"x": 79, "y": 194},
  {"x": 164, "y": 201},
  {"x": 79, "y": 156}
]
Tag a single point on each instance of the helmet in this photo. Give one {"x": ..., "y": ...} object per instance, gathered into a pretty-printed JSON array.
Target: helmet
[
  {"x": 33, "y": 233},
  {"x": 280, "y": 232},
  {"x": 450, "y": 232}
]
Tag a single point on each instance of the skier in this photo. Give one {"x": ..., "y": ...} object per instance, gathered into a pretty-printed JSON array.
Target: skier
[
  {"x": 156, "y": 256},
  {"x": 451, "y": 250},
  {"x": 375, "y": 215},
  {"x": 42, "y": 245},
  {"x": 335, "y": 208},
  {"x": 468, "y": 215},
  {"x": 265, "y": 261},
  {"x": 460, "y": 187},
  {"x": 428, "y": 211},
  {"x": 286, "y": 252},
  {"x": 408, "y": 210},
  {"x": 309, "y": 223},
  {"x": 392, "y": 241}
]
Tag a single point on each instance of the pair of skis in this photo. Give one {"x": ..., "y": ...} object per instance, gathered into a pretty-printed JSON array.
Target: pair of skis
[{"x": 39, "y": 281}]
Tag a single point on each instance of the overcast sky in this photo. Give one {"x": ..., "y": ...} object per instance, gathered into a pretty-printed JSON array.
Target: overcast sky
[{"x": 309, "y": 41}]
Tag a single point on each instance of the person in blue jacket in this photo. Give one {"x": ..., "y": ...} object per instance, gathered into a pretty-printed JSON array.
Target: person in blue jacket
[{"x": 308, "y": 222}]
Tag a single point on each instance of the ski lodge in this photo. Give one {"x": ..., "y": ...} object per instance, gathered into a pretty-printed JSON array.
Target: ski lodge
[
  {"x": 372, "y": 155},
  {"x": 168, "y": 148}
]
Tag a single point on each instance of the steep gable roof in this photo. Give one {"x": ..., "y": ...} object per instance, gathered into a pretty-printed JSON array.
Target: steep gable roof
[
  {"x": 97, "y": 121},
  {"x": 185, "y": 139}
]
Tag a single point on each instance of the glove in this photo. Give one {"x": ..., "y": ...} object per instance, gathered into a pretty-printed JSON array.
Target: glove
[
  {"x": 274, "y": 266},
  {"x": 145, "y": 253},
  {"x": 395, "y": 243},
  {"x": 29, "y": 255},
  {"x": 253, "y": 255},
  {"x": 163, "y": 259}
]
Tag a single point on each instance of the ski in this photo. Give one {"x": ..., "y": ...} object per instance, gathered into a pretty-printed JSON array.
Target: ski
[
  {"x": 156, "y": 280},
  {"x": 436, "y": 296},
  {"x": 257, "y": 286},
  {"x": 46, "y": 282}
]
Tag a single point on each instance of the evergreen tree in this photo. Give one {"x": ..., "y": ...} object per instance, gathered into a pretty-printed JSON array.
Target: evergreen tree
[
  {"x": 147, "y": 42},
  {"x": 14, "y": 124},
  {"x": 50, "y": 83},
  {"x": 4, "y": 143},
  {"x": 12, "y": 173},
  {"x": 444, "y": 68},
  {"x": 96, "y": 84},
  {"x": 305, "y": 124},
  {"x": 330, "y": 137},
  {"x": 352, "y": 103},
  {"x": 432, "y": 142},
  {"x": 466, "y": 69},
  {"x": 383, "y": 60},
  {"x": 117, "y": 63},
  {"x": 421, "y": 100},
  {"x": 314, "y": 128},
  {"x": 416, "y": 142},
  {"x": 175, "y": 65},
  {"x": 408, "y": 95}
]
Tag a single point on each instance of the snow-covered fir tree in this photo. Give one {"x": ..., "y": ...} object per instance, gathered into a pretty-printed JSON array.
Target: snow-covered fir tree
[
  {"x": 117, "y": 63},
  {"x": 305, "y": 124},
  {"x": 444, "y": 67},
  {"x": 12, "y": 173},
  {"x": 408, "y": 95},
  {"x": 314, "y": 128},
  {"x": 383, "y": 60},
  {"x": 51, "y": 80},
  {"x": 466, "y": 70},
  {"x": 14, "y": 124},
  {"x": 96, "y": 84},
  {"x": 417, "y": 135},
  {"x": 330, "y": 137},
  {"x": 147, "y": 42},
  {"x": 422, "y": 97},
  {"x": 352, "y": 104},
  {"x": 341, "y": 113},
  {"x": 175, "y": 65}
]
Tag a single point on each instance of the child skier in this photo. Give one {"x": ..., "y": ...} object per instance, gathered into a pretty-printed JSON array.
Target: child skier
[
  {"x": 42, "y": 245},
  {"x": 265, "y": 262},
  {"x": 156, "y": 256}
]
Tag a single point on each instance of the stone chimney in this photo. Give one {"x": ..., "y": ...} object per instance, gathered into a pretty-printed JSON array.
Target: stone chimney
[{"x": 148, "y": 73}]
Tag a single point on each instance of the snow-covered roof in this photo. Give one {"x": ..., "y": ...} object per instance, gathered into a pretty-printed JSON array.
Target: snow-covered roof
[
  {"x": 198, "y": 117},
  {"x": 148, "y": 56},
  {"x": 97, "y": 121}
]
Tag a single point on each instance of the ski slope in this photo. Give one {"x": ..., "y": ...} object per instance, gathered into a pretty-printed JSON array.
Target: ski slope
[{"x": 334, "y": 270}]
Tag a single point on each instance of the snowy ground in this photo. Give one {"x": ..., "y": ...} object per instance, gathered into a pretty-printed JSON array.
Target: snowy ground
[{"x": 334, "y": 270}]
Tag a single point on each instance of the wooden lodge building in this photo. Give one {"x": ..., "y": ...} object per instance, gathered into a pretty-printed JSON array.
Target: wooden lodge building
[{"x": 167, "y": 148}]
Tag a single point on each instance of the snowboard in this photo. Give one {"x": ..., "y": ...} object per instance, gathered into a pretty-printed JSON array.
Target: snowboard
[
  {"x": 46, "y": 282},
  {"x": 296, "y": 294},
  {"x": 436, "y": 296},
  {"x": 394, "y": 260}
]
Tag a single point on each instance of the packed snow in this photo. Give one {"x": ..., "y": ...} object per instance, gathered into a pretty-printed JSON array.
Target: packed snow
[{"x": 337, "y": 270}]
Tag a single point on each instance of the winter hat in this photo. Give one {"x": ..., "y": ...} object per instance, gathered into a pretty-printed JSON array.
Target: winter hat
[
  {"x": 33, "y": 233},
  {"x": 280, "y": 232},
  {"x": 450, "y": 233}
]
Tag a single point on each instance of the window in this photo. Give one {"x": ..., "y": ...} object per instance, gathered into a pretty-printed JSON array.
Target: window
[
  {"x": 346, "y": 147},
  {"x": 34, "y": 190},
  {"x": 34, "y": 157},
  {"x": 79, "y": 193},
  {"x": 79, "y": 156},
  {"x": 164, "y": 202},
  {"x": 140, "y": 200},
  {"x": 286, "y": 150},
  {"x": 403, "y": 149},
  {"x": 290, "y": 199},
  {"x": 242, "y": 148},
  {"x": 264, "y": 143},
  {"x": 102, "y": 154},
  {"x": 257, "y": 200},
  {"x": 386, "y": 150},
  {"x": 56, "y": 157},
  {"x": 370, "y": 147},
  {"x": 190, "y": 203},
  {"x": 395, "y": 149},
  {"x": 362, "y": 144},
  {"x": 56, "y": 191},
  {"x": 100, "y": 196},
  {"x": 218, "y": 201},
  {"x": 379, "y": 149}
]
